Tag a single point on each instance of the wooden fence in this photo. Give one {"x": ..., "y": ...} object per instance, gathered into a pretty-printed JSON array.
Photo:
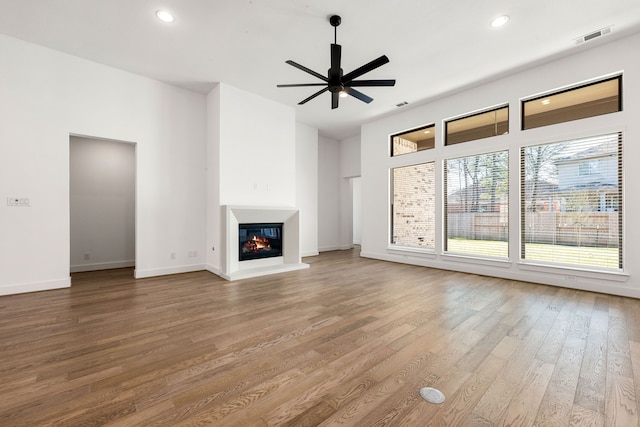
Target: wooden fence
[{"x": 598, "y": 229}]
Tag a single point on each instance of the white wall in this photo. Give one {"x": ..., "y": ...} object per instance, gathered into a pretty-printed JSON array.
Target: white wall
[
  {"x": 102, "y": 204},
  {"x": 349, "y": 169},
  {"x": 350, "y": 157},
  {"x": 307, "y": 187},
  {"x": 339, "y": 163},
  {"x": 586, "y": 64},
  {"x": 257, "y": 150},
  {"x": 356, "y": 191},
  {"x": 251, "y": 158},
  {"x": 329, "y": 197},
  {"x": 214, "y": 214},
  {"x": 46, "y": 96}
]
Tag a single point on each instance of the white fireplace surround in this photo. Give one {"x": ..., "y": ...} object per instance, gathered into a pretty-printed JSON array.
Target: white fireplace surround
[{"x": 233, "y": 268}]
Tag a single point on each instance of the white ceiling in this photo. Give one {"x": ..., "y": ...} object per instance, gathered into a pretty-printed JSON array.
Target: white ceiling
[{"x": 435, "y": 46}]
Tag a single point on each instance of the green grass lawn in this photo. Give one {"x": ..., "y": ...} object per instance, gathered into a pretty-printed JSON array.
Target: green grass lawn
[{"x": 585, "y": 256}]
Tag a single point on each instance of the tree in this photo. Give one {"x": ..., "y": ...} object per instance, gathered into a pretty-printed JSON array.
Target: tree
[{"x": 538, "y": 169}]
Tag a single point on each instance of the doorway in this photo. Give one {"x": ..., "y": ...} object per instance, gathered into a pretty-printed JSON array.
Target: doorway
[{"x": 101, "y": 203}]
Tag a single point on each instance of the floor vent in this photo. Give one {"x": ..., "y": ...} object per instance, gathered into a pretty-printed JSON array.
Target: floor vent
[
  {"x": 593, "y": 35},
  {"x": 432, "y": 395}
]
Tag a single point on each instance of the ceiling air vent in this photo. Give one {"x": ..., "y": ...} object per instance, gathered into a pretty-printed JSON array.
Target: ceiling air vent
[{"x": 593, "y": 35}]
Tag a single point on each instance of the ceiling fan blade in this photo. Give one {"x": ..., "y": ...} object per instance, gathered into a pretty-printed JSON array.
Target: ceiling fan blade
[
  {"x": 307, "y": 70},
  {"x": 364, "y": 69},
  {"x": 314, "y": 95},
  {"x": 336, "y": 53},
  {"x": 361, "y": 83},
  {"x": 335, "y": 97},
  {"x": 302, "y": 84},
  {"x": 356, "y": 94}
]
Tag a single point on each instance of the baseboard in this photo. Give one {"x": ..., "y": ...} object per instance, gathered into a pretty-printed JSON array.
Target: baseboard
[
  {"x": 335, "y": 248},
  {"x": 551, "y": 279},
  {"x": 20, "y": 288},
  {"x": 261, "y": 271},
  {"x": 102, "y": 266},
  {"x": 215, "y": 270},
  {"x": 141, "y": 274},
  {"x": 311, "y": 253}
]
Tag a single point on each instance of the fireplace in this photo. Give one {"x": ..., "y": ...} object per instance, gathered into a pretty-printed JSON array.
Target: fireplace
[
  {"x": 259, "y": 240},
  {"x": 237, "y": 221}
]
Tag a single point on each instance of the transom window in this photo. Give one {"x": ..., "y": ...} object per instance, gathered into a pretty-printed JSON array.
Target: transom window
[
  {"x": 589, "y": 100},
  {"x": 477, "y": 126},
  {"x": 422, "y": 138}
]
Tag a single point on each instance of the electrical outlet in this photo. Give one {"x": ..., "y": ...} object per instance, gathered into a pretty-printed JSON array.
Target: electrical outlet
[
  {"x": 87, "y": 257},
  {"x": 173, "y": 255},
  {"x": 18, "y": 201}
]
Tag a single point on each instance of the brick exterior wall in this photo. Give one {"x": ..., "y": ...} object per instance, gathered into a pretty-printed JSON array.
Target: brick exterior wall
[
  {"x": 403, "y": 146},
  {"x": 414, "y": 205}
]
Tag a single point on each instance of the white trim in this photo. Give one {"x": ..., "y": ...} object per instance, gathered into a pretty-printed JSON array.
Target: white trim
[
  {"x": 335, "y": 248},
  {"x": 248, "y": 273},
  {"x": 102, "y": 266},
  {"x": 568, "y": 270},
  {"x": 413, "y": 250},
  {"x": 604, "y": 283},
  {"x": 480, "y": 260},
  {"x": 141, "y": 274},
  {"x": 20, "y": 288}
]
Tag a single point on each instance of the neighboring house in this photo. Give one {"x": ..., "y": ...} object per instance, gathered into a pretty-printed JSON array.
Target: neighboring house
[{"x": 588, "y": 180}]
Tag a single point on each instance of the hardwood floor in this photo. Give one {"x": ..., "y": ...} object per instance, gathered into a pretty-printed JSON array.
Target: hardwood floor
[{"x": 349, "y": 341}]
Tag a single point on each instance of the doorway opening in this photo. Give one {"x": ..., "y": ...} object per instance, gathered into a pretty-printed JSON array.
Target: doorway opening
[{"x": 102, "y": 197}]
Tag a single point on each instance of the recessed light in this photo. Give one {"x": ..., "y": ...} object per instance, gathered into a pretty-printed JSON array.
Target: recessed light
[
  {"x": 499, "y": 21},
  {"x": 165, "y": 16},
  {"x": 546, "y": 101},
  {"x": 427, "y": 131}
]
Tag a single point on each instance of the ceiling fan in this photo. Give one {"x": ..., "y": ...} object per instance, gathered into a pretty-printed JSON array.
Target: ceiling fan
[{"x": 337, "y": 83}]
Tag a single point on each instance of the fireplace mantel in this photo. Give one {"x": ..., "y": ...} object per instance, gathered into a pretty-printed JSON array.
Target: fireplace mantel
[{"x": 232, "y": 268}]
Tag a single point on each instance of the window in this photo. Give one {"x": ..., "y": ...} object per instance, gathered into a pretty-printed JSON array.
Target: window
[
  {"x": 419, "y": 139},
  {"x": 571, "y": 202},
  {"x": 476, "y": 126},
  {"x": 413, "y": 206},
  {"x": 577, "y": 103},
  {"x": 477, "y": 205},
  {"x": 590, "y": 167}
]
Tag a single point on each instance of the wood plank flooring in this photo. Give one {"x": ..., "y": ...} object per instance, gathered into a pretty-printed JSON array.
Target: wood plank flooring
[{"x": 348, "y": 342}]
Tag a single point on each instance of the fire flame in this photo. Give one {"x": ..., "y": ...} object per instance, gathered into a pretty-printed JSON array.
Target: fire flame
[{"x": 256, "y": 244}]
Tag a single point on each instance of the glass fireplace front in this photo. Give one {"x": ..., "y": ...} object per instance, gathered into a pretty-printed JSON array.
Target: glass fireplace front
[{"x": 261, "y": 240}]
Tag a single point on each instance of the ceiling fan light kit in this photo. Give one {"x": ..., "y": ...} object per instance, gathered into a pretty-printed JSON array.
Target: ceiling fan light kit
[{"x": 337, "y": 83}]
